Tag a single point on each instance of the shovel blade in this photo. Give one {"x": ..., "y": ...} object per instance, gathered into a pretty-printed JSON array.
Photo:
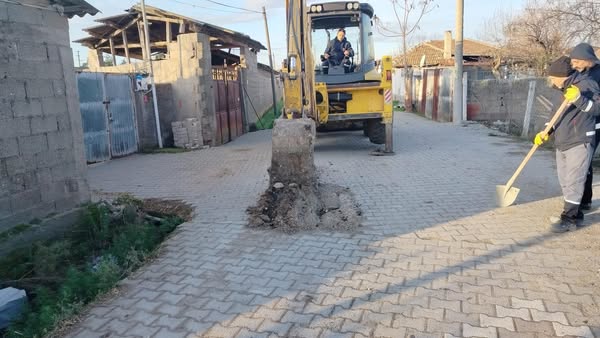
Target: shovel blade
[{"x": 506, "y": 197}]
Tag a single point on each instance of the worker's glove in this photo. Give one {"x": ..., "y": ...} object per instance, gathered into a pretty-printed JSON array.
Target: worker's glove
[
  {"x": 572, "y": 94},
  {"x": 540, "y": 138}
]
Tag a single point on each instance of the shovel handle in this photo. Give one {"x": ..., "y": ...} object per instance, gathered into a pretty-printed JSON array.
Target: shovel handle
[{"x": 558, "y": 113}]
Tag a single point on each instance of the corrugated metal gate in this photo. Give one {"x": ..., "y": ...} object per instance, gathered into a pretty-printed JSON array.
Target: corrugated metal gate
[
  {"x": 108, "y": 115},
  {"x": 228, "y": 107}
]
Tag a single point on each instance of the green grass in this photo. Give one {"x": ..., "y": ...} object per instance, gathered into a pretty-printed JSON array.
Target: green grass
[
  {"x": 17, "y": 229},
  {"x": 62, "y": 276},
  {"x": 268, "y": 118}
]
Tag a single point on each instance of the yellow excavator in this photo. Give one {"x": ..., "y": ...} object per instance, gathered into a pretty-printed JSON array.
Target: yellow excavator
[{"x": 355, "y": 90}]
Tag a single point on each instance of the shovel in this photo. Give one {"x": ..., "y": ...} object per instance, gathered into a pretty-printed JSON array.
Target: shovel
[{"x": 507, "y": 194}]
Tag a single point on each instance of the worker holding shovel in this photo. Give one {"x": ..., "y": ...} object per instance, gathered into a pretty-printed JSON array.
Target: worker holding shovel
[{"x": 574, "y": 138}]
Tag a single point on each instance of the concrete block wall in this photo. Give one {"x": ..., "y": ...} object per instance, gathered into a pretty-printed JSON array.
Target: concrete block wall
[
  {"x": 259, "y": 90},
  {"x": 493, "y": 100},
  {"x": 42, "y": 161}
]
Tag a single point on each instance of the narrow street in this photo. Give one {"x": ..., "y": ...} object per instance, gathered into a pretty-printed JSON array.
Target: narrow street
[{"x": 434, "y": 258}]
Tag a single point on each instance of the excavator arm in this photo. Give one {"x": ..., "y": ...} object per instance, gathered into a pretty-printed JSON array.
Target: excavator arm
[{"x": 292, "y": 159}]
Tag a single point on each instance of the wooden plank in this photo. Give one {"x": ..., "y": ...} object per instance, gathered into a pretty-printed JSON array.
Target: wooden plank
[
  {"x": 117, "y": 32},
  {"x": 139, "y": 45},
  {"x": 112, "y": 51},
  {"x": 126, "y": 46},
  {"x": 142, "y": 40},
  {"x": 169, "y": 33}
]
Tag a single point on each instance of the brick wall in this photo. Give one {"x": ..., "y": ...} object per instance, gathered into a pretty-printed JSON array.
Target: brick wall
[{"x": 42, "y": 162}]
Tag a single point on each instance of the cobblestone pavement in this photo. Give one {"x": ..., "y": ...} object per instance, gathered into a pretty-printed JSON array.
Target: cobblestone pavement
[{"x": 434, "y": 258}]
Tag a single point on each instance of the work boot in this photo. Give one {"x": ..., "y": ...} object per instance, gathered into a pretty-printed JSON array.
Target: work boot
[
  {"x": 579, "y": 220},
  {"x": 586, "y": 206},
  {"x": 562, "y": 224}
]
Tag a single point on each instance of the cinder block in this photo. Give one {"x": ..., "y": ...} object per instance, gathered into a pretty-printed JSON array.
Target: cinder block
[
  {"x": 63, "y": 171},
  {"x": 55, "y": 105},
  {"x": 60, "y": 140},
  {"x": 64, "y": 124},
  {"x": 59, "y": 87},
  {"x": 5, "y": 110},
  {"x": 27, "y": 108},
  {"x": 17, "y": 13},
  {"x": 25, "y": 200},
  {"x": 12, "y": 89},
  {"x": 31, "y": 51},
  {"x": 9, "y": 147},
  {"x": 4, "y": 186},
  {"x": 43, "y": 175},
  {"x": 47, "y": 160},
  {"x": 19, "y": 164},
  {"x": 52, "y": 52},
  {"x": 3, "y": 13},
  {"x": 46, "y": 124},
  {"x": 53, "y": 191},
  {"x": 33, "y": 144},
  {"x": 14, "y": 128},
  {"x": 54, "y": 20},
  {"x": 39, "y": 88},
  {"x": 5, "y": 208},
  {"x": 3, "y": 170},
  {"x": 22, "y": 70},
  {"x": 9, "y": 51},
  {"x": 49, "y": 70}
]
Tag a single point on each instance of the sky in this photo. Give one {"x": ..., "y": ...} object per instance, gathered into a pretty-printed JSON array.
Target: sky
[{"x": 432, "y": 26}]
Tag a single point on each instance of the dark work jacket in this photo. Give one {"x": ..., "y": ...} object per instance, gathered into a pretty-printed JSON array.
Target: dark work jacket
[
  {"x": 335, "y": 49},
  {"x": 577, "y": 124},
  {"x": 594, "y": 73}
]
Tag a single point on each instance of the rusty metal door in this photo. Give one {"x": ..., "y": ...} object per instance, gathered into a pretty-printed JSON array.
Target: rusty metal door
[
  {"x": 108, "y": 115},
  {"x": 228, "y": 107}
]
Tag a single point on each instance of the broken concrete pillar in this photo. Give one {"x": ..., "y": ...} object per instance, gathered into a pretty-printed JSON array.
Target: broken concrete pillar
[
  {"x": 293, "y": 150},
  {"x": 12, "y": 302}
]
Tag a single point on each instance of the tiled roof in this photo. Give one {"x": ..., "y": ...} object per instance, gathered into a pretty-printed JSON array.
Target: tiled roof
[{"x": 433, "y": 51}]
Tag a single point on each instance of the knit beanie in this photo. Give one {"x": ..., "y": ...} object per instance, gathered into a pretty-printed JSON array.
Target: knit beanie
[
  {"x": 561, "y": 67},
  {"x": 583, "y": 51}
]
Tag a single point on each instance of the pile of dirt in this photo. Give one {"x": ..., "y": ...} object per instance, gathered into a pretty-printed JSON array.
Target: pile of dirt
[
  {"x": 295, "y": 208},
  {"x": 173, "y": 208}
]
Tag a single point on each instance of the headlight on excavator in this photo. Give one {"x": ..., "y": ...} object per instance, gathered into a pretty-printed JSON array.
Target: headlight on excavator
[
  {"x": 349, "y": 6},
  {"x": 355, "y": 6},
  {"x": 313, "y": 8},
  {"x": 319, "y": 8}
]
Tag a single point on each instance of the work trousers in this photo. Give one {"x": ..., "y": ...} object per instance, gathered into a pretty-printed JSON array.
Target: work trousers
[
  {"x": 572, "y": 167},
  {"x": 587, "y": 191}
]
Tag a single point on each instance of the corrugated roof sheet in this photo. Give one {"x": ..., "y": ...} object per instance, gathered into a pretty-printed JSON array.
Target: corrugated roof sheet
[{"x": 70, "y": 8}]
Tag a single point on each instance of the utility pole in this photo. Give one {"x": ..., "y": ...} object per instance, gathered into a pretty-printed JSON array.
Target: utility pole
[
  {"x": 458, "y": 65},
  {"x": 270, "y": 63},
  {"x": 78, "y": 60},
  {"x": 149, "y": 60}
]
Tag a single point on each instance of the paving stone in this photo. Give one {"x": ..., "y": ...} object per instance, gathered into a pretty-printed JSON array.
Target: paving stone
[
  {"x": 502, "y": 311},
  {"x": 534, "y": 327},
  {"x": 518, "y": 303},
  {"x": 540, "y": 316},
  {"x": 578, "y": 331},
  {"x": 167, "y": 333},
  {"x": 506, "y": 322},
  {"x": 473, "y": 331},
  {"x": 437, "y": 259}
]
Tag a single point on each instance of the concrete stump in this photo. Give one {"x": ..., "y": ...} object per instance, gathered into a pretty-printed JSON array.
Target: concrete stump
[{"x": 293, "y": 150}]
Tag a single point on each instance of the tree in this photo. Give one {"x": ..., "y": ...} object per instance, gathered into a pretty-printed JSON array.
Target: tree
[
  {"x": 404, "y": 27},
  {"x": 541, "y": 32},
  {"x": 582, "y": 15}
]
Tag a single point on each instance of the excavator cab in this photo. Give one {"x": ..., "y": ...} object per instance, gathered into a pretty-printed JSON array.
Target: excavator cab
[{"x": 356, "y": 20}]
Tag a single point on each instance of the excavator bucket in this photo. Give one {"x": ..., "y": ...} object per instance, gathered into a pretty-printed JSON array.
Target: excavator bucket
[{"x": 293, "y": 148}]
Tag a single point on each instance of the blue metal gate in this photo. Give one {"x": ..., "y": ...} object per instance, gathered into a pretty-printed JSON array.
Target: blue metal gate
[{"x": 108, "y": 115}]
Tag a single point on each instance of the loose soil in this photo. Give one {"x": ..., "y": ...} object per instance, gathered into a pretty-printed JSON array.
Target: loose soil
[{"x": 295, "y": 208}]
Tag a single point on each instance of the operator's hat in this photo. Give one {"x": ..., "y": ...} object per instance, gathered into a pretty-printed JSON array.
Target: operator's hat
[{"x": 561, "y": 67}]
